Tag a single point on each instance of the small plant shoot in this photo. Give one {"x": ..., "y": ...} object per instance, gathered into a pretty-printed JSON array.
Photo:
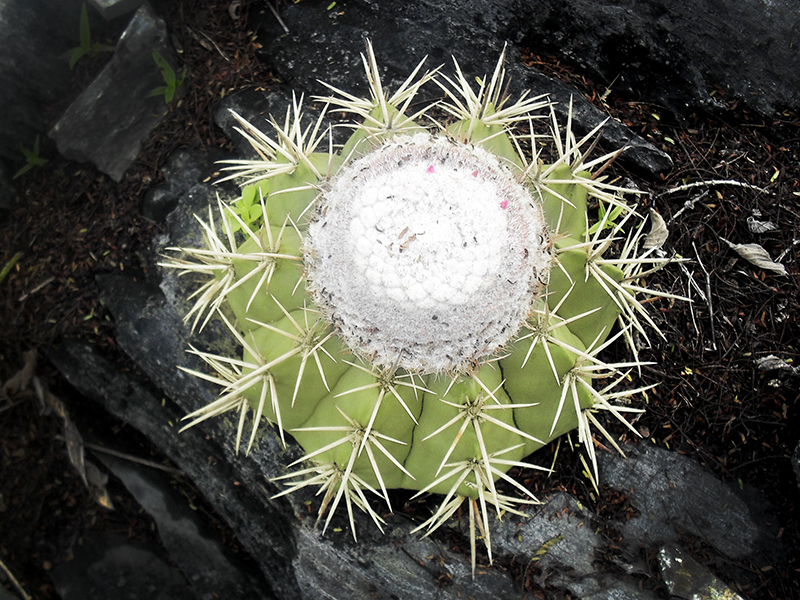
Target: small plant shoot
[
  {"x": 171, "y": 80},
  {"x": 86, "y": 45},
  {"x": 32, "y": 158}
]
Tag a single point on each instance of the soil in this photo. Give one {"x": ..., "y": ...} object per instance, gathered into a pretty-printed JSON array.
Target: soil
[{"x": 71, "y": 222}]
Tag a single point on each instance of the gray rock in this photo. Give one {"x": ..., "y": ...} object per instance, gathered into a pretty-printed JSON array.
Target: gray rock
[
  {"x": 194, "y": 451},
  {"x": 7, "y": 191},
  {"x": 109, "y": 566},
  {"x": 184, "y": 169},
  {"x": 108, "y": 122},
  {"x": 211, "y": 572},
  {"x": 324, "y": 45},
  {"x": 396, "y": 565},
  {"x": 674, "y": 496},
  {"x": 687, "y": 578},
  {"x": 561, "y": 540},
  {"x": 34, "y": 74},
  {"x": 558, "y": 535},
  {"x": 256, "y": 107},
  {"x": 110, "y": 9},
  {"x": 672, "y": 54},
  {"x": 677, "y": 54}
]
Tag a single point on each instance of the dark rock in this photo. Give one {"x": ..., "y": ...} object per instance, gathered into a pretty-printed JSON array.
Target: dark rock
[
  {"x": 114, "y": 115},
  {"x": 687, "y": 578},
  {"x": 34, "y": 73},
  {"x": 294, "y": 557},
  {"x": 674, "y": 495},
  {"x": 796, "y": 462},
  {"x": 7, "y": 191},
  {"x": 677, "y": 499},
  {"x": 109, "y": 566},
  {"x": 257, "y": 108},
  {"x": 395, "y": 565},
  {"x": 676, "y": 54},
  {"x": 639, "y": 153},
  {"x": 261, "y": 109},
  {"x": 661, "y": 52},
  {"x": 110, "y": 9},
  {"x": 561, "y": 538},
  {"x": 183, "y": 170},
  {"x": 325, "y": 45},
  {"x": 197, "y": 551},
  {"x": 159, "y": 202},
  {"x": 193, "y": 451}
]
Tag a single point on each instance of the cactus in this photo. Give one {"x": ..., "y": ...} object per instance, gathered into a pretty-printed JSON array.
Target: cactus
[{"x": 428, "y": 305}]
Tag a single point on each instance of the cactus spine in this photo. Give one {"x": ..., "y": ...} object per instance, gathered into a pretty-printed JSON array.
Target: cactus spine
[{"x": 427, "y": 306}]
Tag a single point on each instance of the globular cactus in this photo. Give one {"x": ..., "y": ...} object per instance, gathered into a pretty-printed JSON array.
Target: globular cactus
[{"x": 426, "y": 306}]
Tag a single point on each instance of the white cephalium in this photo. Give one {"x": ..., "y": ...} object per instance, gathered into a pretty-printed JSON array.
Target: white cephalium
[
  {"x": 428, "y": 304},
  {"x": 426, "y": 255}
]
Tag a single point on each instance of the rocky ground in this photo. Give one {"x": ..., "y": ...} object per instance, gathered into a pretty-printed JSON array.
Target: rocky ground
[{"x": 727, "y": 393}]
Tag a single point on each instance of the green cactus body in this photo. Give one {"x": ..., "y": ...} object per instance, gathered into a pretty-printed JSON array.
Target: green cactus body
[{"x": 421, "y": 309}]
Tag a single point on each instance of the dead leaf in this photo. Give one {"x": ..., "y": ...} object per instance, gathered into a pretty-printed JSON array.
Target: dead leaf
[
  {"x": 92, "y": 477},
  {"x": 756, "y": 226},
  {"x": 756, "y": 255},
  {"x": 40, "y": 389},
  {"x": 97, "y": 485},
  {"x": 773, "y": 363},
  {"x": 235, "y": 9},
  {"x": 21, "y": 380},
  {"x": 658, "y": 232},
  {"x": 75, "y": 448},
  {"x": 72, "y": 436}
]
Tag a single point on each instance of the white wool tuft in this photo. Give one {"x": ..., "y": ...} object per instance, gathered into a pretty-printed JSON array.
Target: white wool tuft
[{"x": 426, "y": 254}]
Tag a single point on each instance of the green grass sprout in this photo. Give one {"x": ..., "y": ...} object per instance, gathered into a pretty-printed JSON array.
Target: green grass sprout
[
  {"x": 86, "y": 46},
  {"x": 9, "y": 265},
  {"x": 172, "y": 81},
  {"x": 32, "y": 158}
]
